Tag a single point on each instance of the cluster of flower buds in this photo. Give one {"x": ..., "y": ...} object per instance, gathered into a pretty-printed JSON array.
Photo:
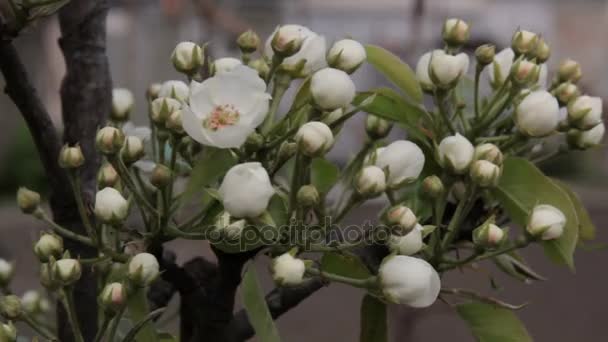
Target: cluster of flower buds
[{"x": 486, "y": 168}]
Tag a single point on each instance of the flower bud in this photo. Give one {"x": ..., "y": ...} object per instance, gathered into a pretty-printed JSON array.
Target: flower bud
[
  {"x": 569, "y": 70},
  {"x": 408, "y": 280},
  {"x": 489, "y": 235},
  {"x": 586, "y": 139},
  {"x": 174, "y": 89},
  {"x": 10, "y": 306},
  {"x": 71, "y": 157},
  {"x": 308, "y": 196},
  {"x": 332, "y": 89},
  {"x": 107, "y": 176},
  {"x": 49, "y": 245},
  {"x": 28, "y": 200},
  {"x": 287, "y": 270},
  {"x": 231, "y": 230},
  {"x": 524, "y": 42},
  {"x": 566, "y": 92},
  {"x": 525, "y": 73},
  {"x": 287, "y": 40},
  {"x": 161, "y": 176},
  {"x": 226, "y": 64},
  {"x": 34, "y": 303},
  {"x": 174, "y": 123},
  {"x": 458, "y": 191},
  {"x": 152, "y": 91},
  {"x": 246, "y": 190},
  {"x": 110, "y": 206},
  {"x": 402, "y": 220},
  {"x": 143, "y": 269},
  {"x": 585, "y": 112},
  {"x": 162, "y": 107},
  {"x": 261, "y": 67},
  {"x": 455, "y": 32},
  {"x": 109, "y": 140},
  {"x": 133, "y": 150},
  {"x": 248, "y": 41},
  {"x": 113, "y": 297},
  {"x": 500, "y": 69},
  {"x": 376, "y": 127},
  {"x": 546, "y": 222},
  {"x": 46, "y": 277},
  {"x": 422, "y": 72},
  {"x": 8, "y": 332},
  {"x": 66, "y": 271},
  {"x": 489, "y": 152},
  {"x": 408, "y": 244},
  {"x": 537, "y": 115},
  {"x": 445, "y": 70},
  {"x": 432, "y": 186},
  {"x": 187, "y": 57},
  {"x": 346, "y": 55},
  {"x": 370, "y": 182},
  {"x": 485, "y": 54},
  {"x": 456, "y": 153},
  {"x": 402, "y": 160},
  {"x": 7, "y": 269},
  {"x": 314, "y": 139},
  {"x": 485, "y": 174},
  {"x": 122, "y": 104},
  {"x": 542, "y": 51}
]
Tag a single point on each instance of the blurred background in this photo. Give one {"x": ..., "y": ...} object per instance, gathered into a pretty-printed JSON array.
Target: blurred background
[{"x": 141, "y": 36}]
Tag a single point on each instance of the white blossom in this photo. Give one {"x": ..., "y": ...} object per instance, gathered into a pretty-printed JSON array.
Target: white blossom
[
  {"x": 246, "y": 190},
  {"x": 445, "y": 70},
  {"x": 175, "y": 89},
  {"x": 410, "y": 281},
  {"x": 226, "y": 64},
  {"x": 110, "y": 205},
  {"x": 287, "y": 270},
  {"x": 546, "y": 221},
  {"x": 313, "y": 49},
  {"x": 346, "y": 55},
  {"x": 585, "y": 111},
  {"x": 404, "y": 161},
  {"x": 456, "y": 153},
  {"x": 409, "y": 244},
  {"x": 537, "y": 115},
  {"x": 332, "y": 89}
]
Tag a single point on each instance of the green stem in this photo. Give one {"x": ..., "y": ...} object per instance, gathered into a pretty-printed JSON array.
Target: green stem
[
  {"x": 440, "y": 96},
  {"x": 478, "y": 71},
  {"x": 123, "y": 172},
  {"x": 82, "y": 211},
  {"x": 139, "y": 310},
  {"x": 295, "y": 182},
  {"x": 65, "y": 232},
  {"x": 461, "y": 211},
  {"x": 281, "y": 84},
  {"x": 497, "y": 138},
  {"x": 38, "y": 328},
  {"x": 104, "y": 326},
  {"x": 360, "y": 283},
  {"x": 115, "y": 323},
  {"x": 70, "y": 308}
]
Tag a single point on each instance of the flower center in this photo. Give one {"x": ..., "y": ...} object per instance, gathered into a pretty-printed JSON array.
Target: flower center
[{"x": 222, "y": 116}]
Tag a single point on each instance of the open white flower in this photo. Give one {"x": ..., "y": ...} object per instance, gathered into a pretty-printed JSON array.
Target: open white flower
[
  {"x": 313, "y": 49},
  {"x": 226, "y": 64},
  {"x": 404, "y": 161},
  {"x": 225, "y": 109},
  {"x": 456, "y": 153},
  {"x": 537, "y": 115},
  {"x": 246, "y": 190},
  {"x": 585, "y": 111},
  {"x": 110, "y": 206},
  {"x": 422, "y": 71},
  {"x": 445, "y": 70},
  {"x": 546, "y": 221},
  {"x": 499, "y": 70},
  {"x": 175, "y": 89},
  {"x": 410, "y": 281},
  {"x": 409, "y": 244}
]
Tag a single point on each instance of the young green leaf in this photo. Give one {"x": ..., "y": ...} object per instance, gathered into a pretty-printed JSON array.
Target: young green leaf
[
  {"x": 346, "y": 265},
  {"x": 373, "y": 320},
  {"x": 489, "y": 323},
  {"x": 397, "y": 71},
  {"x": 323, "y": 174},
  {"x": 586, "y": 227},
  {"x": 257, "y": 310}
]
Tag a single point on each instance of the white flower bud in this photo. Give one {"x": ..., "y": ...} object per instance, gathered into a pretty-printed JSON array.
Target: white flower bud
[
  {"x": 187, "y": 57},
  {"x": 7, "y": 269},
  {"x": 133, "y": 149},
  {"x": 489, "y": 235},
  {"x": 287, "y": 40},
  {"x": 499, "y": 70},
  {"x": 232, "y": 230},
  {"x": 109, "y": 140},
  {"x": 445, "y": 70},
  {"x": 34, "y": 303},
  {"x": 524, "y": 42},
  {"x": 403, "y": 161},
  {"x": 10, "y": 306},
  {"x": 537, "y": 115},
  {"x": 569, "y": 70},
  {"x": 175, "y": 124},
  {"x": 248, "y": 42},
  {"x": 376, "y": 127},
  {"x": 489, "y": 152},
  {"x": 110, "y": 206},
  {"x": 566, "y": 92},
  {"x": 152, "y": 91},
  {"x": 402, "y": 220},
  {"x": 308, "y": 196},
  {"x": 484, "y": 173},
  {"x": 113, "y": 297},
  {"x": 332, "y": 88},
  {"x": 162, "y": 107},
  {"x": 346, "y": 55},
  {"x": 587, "y": 139},
  {"x": 28, "y": 200},
  {"x": 303, "y": 51},
  {"x": 485, "y": 54},
  {"x": 408, "y": 280},
  {"x": 246, "y": 190},
  {"x": 371, "y": 181},
  {"x": 456, "y": 153},
  {"x": 8, "y": 332},
  {"x": 226, "y": 64},
  {"x": 525, "y": 73},
  {"x": 122, "y": 104},
  {"x": 287, "y": 270},
  {"x": 455, "y": 32},
  {"x": 107, "y": 176},
  {"x": 143, "y": 269},
  {"x": 409, "y": 244},
  {"x": 71, "y": 157},
  {"x": 585, "y": 112},
  {"x": 314, "y": 139},
  {"x": 542, "y": 51},
  {"x": 546, "y": 221},
  {"x": 67, "y": 271},
  {"x": 422, "y": 72},
  {"x": 173, "y": 89},
  {"x": 49, "y": 245}
]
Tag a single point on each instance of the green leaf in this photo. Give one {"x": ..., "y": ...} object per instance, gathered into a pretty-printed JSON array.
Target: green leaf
[
  {"x": 586, "y": 228},
  {"x": 397, "y": 71},
  {"x": 344, "y": 264},
  {"x": 166, "y": 337},
  {"x": 493, "y": 324},
  {"x": 373, "y": 320},
  {"x": 255, "y": 305},
  {"x": 323, "y": 174},
  {"x": 278, "y": 210},
  {"x": 523, "y": 186},
  {"x": 213, "y": 164}
]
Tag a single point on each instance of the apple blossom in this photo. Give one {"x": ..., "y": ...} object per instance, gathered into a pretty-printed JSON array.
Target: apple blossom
[
  {"x": 225, "y": 64},
  {"x": 7, "y": 269},
  {"x": 28, "y": 200},
  {"x": 403, "y": 161},
  {"x": 371, "y": 181},
  {"x": 499, "y": 70},
  {"x": 332, "y": 88},
  {"x": 175, "y": 89},
  {"x": 445, "y": 70},
  {"x": 246, "y": 190},
  {"x": 408, "y": 244},
  {"x": 162, "y": 107},
  {"x": 47, "y": 246},
  {"x": 67, "y": 271},
  {"x": 109, "y": 140},
  {"x": 524, "y": 42},
  {"x": 485, "y": 173},
  {"x": 485, "y": 54},
  {"x": 187, "y": 57},
  {"x": 546, "y": 221},
  {"x": 489, "y": 152},
  {"x": 569, "y": 70},
  {"x": 455, "y": 32},
  {"x": 376, "y": 127},
  {"x": 122, "y": 104},
  {"x": 71, "y": 157},
  {"x": 314, "y": 138},
  {"x": 432, "y": 186},
  {"x": 408, "y": 280},
  {"x": 587, "y": 139},
  {"x": 110, "y": 206},
  {"x": 346, "y": 55},
  {"x": 456, "y": 153},
  {"x": 143, "y": 269},
  {"x": 422, "y": 72},
  {"x": 537, "y": 115},
  {"x": 585, "y": 111},
  {"x": 288, "y": 270},
  {"x": 312, "y": 48},
  {"x": 402, "y": 219}
]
